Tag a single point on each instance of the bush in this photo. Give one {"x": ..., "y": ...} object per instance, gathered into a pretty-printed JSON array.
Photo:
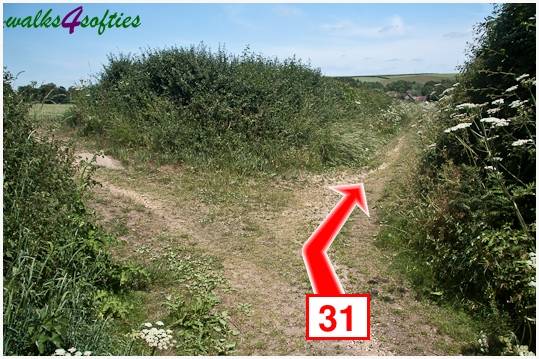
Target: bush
[
  {"x": 55, "y": 257},
  {"x": 197, "y": 106}
]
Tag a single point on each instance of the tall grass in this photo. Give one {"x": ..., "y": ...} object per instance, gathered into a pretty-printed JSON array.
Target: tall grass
[{"x": 196, "y": 106}]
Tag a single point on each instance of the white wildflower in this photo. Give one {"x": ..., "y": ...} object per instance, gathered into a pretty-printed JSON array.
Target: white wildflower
[
  {"x": 490, "y": 168},
  {"x": 458, "y": 115},
  {"x": 157, "y": 337},
  {"x": 495, "y": 122},
  {"x": 447, "y": 91},
  {"x": 72, "y": 350},
  {"x": 492, "y": 111},
  {"x": 148, "y": 325},
  {"x": 59, "y": 352},
  {"x": 467, "y": 106},
  {"x": 455, "y": 84},
  {"x": 87, "y": 353},
  {"x": 497, "y": 159},
  {"x": 522, "y": 77},
  {"x": 460, "y": 126},
  {"x": 517, "y": 103},
  {"x": 498, "y": 102},
  {"x": 521, "y": 142},
  {"x": 532, "y": 261},
  {"x": 77, "y": 354},
  {"x": 512, "y": 88}
]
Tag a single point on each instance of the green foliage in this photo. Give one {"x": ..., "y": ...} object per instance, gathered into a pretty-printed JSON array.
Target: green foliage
[
  {"x": 504, "y": 47},
  {"x": 55, "y": 257},
  {"x": 48, "y": 93},
  {"x": 111, "y": 305},
  {"x": 475, "y": 218},
  {"x": 199, "y": 327},
  {"x": 201, "y": 107}
]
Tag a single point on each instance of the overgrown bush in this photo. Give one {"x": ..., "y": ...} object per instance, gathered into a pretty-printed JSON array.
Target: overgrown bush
[
  {"x": 55, "y": 257},
  {"x": 197, "y": 106},
  {"x": 475, "y": 217}
]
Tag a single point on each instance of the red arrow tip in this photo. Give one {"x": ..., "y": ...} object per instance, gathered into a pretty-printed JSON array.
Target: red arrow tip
[{"x": 356, "y": 192}]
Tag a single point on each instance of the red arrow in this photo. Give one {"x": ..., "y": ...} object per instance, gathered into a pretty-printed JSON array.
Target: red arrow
[{"x": 321, "y": 273}]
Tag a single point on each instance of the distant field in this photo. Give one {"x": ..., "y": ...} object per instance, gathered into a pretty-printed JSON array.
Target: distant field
[
  {"x": 419, "y": 78},
  {"x": 48, "y": 111}
]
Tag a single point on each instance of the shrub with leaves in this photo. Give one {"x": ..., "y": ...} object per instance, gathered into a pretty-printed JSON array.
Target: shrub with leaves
[{"x": 202, "y": 107}]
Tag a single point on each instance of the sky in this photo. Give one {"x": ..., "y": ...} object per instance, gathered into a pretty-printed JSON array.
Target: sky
[{"x": 340, "y": 39}]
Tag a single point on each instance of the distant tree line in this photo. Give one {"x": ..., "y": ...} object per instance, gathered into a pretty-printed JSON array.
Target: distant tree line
[
  {"x": 432, "y": 90},
  {"x": 46, "y": 93}
]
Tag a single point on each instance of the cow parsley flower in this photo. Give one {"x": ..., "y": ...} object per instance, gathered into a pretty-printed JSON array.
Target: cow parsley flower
[
  {"x": 522, "y": 77},
  {"x": 70, "y": 352},
  {"x": 460, "y": 126},
  {"x": 498, "y": 102},
  {"x": 156, "y": 338},
  {"x": 466, "y": 106},
  {"x": 517, "y": 103},
  {"x": 496, "y": 122},
  {"x": 492, "y": 111},
  {"x": 448, "y": 91},
  {"x": 512, "y": 88},
  {"x": 490, "y": 168},
  {"x": 521, "y": 142}
]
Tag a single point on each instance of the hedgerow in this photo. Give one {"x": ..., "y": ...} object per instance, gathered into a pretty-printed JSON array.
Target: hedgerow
[
  {"x": 55, "y": 257},
  {"x": 474, "y": 199},
  {"x": 196, "y": 106}
]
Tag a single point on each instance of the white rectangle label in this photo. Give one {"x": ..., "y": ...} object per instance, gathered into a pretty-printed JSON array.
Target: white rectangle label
[{"x": 343, "y": 317}]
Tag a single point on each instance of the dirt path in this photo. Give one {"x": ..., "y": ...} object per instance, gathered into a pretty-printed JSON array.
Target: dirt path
[{"x": 259, "y": 241}]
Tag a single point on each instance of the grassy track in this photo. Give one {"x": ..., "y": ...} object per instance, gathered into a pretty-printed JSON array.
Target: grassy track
[{"x": 246, "y": 242}]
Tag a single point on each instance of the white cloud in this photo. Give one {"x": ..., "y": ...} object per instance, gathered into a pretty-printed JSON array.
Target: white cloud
[
  {"x": 393, "y": 27},
  {"x": 287, "y": 10}
]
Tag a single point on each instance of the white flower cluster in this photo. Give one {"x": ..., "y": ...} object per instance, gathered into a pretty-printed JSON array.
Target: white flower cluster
[
  {"x": 517, "y": 103},
  {"x": 495, "y": 122},
  {"x": 460, "y": 126},
  {"x": 448, "y": 90},
  {"x": 492, "y": 111},
  {"x": 512, "y": 88},
  {"x": 70, "y": 352},
  {"x": 466, "y": 106},
  {"x": 521, "y": 142},
  {"x": 499, "y": 101},
  {"x": 522, "y": 77},
  {"x": 155, "y": 337}
]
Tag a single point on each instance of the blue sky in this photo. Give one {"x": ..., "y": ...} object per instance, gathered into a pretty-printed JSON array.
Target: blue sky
[{"x": 341, "y": 39}]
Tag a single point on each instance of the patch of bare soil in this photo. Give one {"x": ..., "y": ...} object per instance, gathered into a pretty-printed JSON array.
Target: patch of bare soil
[
  {"x": 261, "y": 253},
  {"x": 100, "y": 160}
]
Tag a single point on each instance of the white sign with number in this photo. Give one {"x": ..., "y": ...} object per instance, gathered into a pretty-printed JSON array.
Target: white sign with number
[{"x": 342, "y": 317}]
